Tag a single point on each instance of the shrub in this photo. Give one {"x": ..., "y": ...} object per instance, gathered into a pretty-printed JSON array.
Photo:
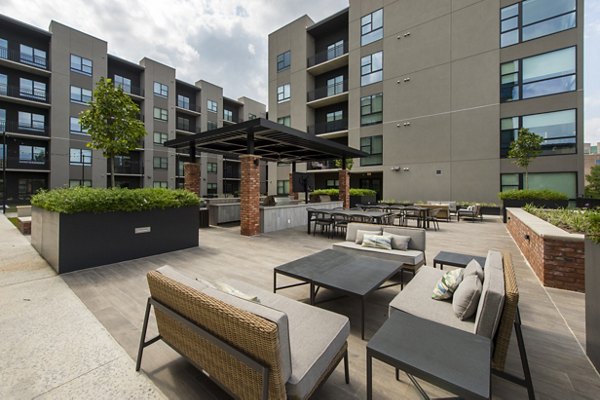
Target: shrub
[
  {"x": 95, "y": 200},
  {"x": 578, "y": 221},
  {"x": 532, "y": 194},
  {"x": 336, "y": 192}
]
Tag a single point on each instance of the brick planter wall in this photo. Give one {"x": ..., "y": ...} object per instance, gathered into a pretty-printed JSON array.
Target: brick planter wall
[{"x": 557, "y": 257}]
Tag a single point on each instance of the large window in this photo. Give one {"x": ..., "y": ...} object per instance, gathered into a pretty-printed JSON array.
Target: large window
[
  {"x": 559, "y": 130},
  {"x": 3, "y": 84},
  {"x": 31, "y": 121},
  {"x": 564, "y": 182},
  {"x": 283, "y": 93},
  {"x": 371, "y": 27},
  {"x": 532, "y": 19},
  {"x": 123, "y": 83},
  {"x": 334, "y": 121},
  {"x": 29, "y": 55},
  {"x": 2, "y": 119},
  {"x": 75, "y": 126},
  {"x": 335, "y": 50},
  {"x": 335, "y": 85},
  {"x": 372, "y": 145},
  {"x": 211, "y": 188},
  {"x": 540, "y": 75},
  {"x": 284, "y": 60},
  {"x": 32, "y": 154},
  {"x": 228, "y": 115},
  {"x": 160, "y": 137},
  {"x": 32, "y": 89},
  {"x": 160, "y": 184},
  {"x": 211, "y": 167},
  {"x": 80, "y": 157},
  {"x": 81, "y": 95},
  {"x": 161, "y": 90},
  {"x": 210, "y": 125},
  {"x": 80, "y": 182},
  {"x": 81, "y": 65},
  {"x": 29, "y": 186},
  {"x": 161, "y": 114},
  {"x": 212, "y": 106},
  {"x": 287, "y": 120},
  {"x": 161, "y": 162},
  {"x": 3, "y": 48},
  {"x": 183, "y": 101},
  {"x": 371, "y": 68},
  {"x": 183, "y": 124},
  {"x": 371, "y": 109},
  {"x": 283, "y": 186}
]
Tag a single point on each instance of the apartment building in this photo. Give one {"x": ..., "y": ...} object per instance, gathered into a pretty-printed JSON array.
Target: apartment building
[
  {"x": 47, "y": 79},
  {"x": 435, "y": 91}
]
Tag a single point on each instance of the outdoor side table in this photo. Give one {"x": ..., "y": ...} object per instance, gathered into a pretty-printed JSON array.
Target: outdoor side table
[
  {"x": 452, "y": 359},
  {"x": 455, "y": 259}
]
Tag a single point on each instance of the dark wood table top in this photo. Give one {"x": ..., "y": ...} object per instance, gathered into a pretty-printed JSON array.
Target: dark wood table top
[{"x": 457, "y": 259}]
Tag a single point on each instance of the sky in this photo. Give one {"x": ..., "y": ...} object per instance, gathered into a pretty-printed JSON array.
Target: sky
[{"x": 225, "y": 41}]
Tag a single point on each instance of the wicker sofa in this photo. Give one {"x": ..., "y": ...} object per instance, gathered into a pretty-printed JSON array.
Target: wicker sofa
[{"x": 276, "y": 349}]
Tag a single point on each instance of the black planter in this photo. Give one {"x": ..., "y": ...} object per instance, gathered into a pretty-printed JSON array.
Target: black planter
[
  {"x": 592, "y": 305},
  {"x": 488, "y": 210},
  {"x": 354, "y": 200},
  {"x": 537, "y": 203},
  {"x": 70, "y": 242},
  {"x": 584, "y": 202}
]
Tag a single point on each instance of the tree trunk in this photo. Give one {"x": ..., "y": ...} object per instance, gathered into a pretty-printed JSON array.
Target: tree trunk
[
  {"x": 526, "y": 179},
  {"x": 112, "y": 172}
]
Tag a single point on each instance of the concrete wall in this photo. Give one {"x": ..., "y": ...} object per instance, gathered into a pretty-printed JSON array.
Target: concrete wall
[{"x": 289, "y": 216}]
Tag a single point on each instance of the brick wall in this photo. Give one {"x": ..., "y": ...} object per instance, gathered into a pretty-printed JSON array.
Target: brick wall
[
  {"x": 191, "y": 181},
  {"x": 250, "y": 195},
  {"x": 344, "y": 179},
  {"x": 557, "y": 263},
  {"x": 292, "y": 193}
]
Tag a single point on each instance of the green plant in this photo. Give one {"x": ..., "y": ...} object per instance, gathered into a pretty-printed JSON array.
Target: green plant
[
  {"x": 96, "y": 200},
  {"x": 532, "y": 194},
  {"x": 525, "y": 149},
  {"x": 592, "y": 189},
  {"x": 336, "y": 192},
  {"x": 112, "y": 122},
  {"x": 579, "y": 221},
  {"x": 349, "y": 163}
]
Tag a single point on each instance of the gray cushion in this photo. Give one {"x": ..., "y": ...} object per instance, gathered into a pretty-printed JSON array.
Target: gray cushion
[
  {"x": 416, "y": 299},
  {"x": 466, "y": 297},
  {"x": 491, "y": 302},
  {"x": 353, "y": 227},
  {"x": 473, "y": 268},
  {"x": 417, "y": 236},
  {"x": 316, "y": 336},
  {"x": 399, "y": 242},
  {"x": 172, "y": 273},
  {"x": 411, "y": 257}
]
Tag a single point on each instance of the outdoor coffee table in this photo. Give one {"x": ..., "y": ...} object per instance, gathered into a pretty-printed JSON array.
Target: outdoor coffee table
[
  {"x": 455, "y": 259},
  {"x": 450, "y": 358},
  {"x": 355, "y": 276}
]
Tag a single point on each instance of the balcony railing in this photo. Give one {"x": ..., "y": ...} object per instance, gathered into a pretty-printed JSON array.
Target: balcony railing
[
  {"x": 39, "y": 162},
  {"x": 127, "y": 167},
  {"x": 24, "y": 93},
  {"x": 22, "y": 58},
  {"x": 190, "y": 107},
  {"x": 327, "y": 55},
  {"x": 231, "y": 174},
  {"x": 33, "y": 129},
  {"x": 324, "y": 164},
  {"x": 327, "y": 91},
  {"x": 326, "y": 127},
  {"x": 134, "y": 90}
]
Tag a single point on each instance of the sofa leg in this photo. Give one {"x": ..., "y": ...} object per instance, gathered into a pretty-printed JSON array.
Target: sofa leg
[
  {"x": 346, "y": 368},
  {"x": 143, "y": 342}
]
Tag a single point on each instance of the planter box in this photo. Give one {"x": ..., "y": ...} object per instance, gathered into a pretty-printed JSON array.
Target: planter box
[
  {"x": 582, "y": 202},
  {"x": 538, "y": 203},
  {"x": 71, "y": 242},
  {"x": 354, "y": 200},
  {"x": 488, "y": 210},
  {"x": 592, "y": 305}
]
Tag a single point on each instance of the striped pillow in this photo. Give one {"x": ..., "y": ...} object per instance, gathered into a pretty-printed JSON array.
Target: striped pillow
[
  {"x": 377, "y": 241},
  {"x": 448, "y": 283}
]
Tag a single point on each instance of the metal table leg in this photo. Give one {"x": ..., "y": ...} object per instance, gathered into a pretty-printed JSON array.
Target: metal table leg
[
  {"x": 362, "y": 317},
  {"x": 369, "y": 376}
]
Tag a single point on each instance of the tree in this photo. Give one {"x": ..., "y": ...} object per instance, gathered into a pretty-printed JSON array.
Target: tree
[
  {"x": 349, "y": 163},
  {"x": 592, "y": 189},
  {"x": 112, "y": 121},
  {"x": 525, "y": 149}
]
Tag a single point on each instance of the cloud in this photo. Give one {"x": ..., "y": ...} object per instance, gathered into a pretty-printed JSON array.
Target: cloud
[{"x": 592, "y": 130}]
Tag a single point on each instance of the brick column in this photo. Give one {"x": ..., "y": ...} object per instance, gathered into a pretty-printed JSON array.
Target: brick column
[
  {"x": 250, "y": 195},
  {"x": 191, "y": 180},
  {"x": 345, "y": 187},
  {"x": 292, "y": 192}
]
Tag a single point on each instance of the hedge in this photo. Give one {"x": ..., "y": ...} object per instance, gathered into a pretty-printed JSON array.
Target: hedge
[
  {"x": 96, "y": 200},
  {"x": 531, "y": 194},
  {"x": 336, "y": 192}
]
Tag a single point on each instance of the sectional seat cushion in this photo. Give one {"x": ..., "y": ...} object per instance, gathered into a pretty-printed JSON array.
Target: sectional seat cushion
[
  {"x": 489, "y": 309},
  {"x": 353, "y": 228},
  {"x": 411, "y": 257},
  {"x": 416, "y": 299},
  {"x": 473, "y": 268},
  {"x": 377, "y": 241},
  {"x": 315, "y": 337},
  {"x": 466, "y": 297}
]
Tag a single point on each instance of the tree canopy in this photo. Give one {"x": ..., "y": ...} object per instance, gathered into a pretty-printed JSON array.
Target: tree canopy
[
  {"x": 525, "y": 149},
  {"x": 592, "y": 189}
]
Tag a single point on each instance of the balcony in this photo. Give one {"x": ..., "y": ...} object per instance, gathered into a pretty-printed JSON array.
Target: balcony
[
  {"x": 183, "y": 128},
  {"x": 126, "y": 167},
  {"x": 230, "y": 121},
  {"x": 27, "y": 96},
  {"x": 328, "y": 60},
  {"x": 24, "y": 62},
  {"x": 327, "y": 95},
  {"x": 339, "y": 125},
  {"x": 133, "y": 91},
  {"x": 321, "y": 165},
  {"x": 191, "y": 109},
  {"x": 37, "y": 163},
  {"x": 35, "y": 129}
]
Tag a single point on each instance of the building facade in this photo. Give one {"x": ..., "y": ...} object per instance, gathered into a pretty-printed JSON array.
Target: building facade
[
  {"x": 591, "y": 157},
  {"x": 436, "y": 91},
  {"x": 47, "y": 79}
]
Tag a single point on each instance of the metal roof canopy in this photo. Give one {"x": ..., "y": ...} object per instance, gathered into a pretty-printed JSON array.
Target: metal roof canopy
[{"x": 270, "y": 140}]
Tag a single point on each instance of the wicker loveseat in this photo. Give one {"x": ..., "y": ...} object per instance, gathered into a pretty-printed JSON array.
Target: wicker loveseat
[{"x": 276, "y": 349}]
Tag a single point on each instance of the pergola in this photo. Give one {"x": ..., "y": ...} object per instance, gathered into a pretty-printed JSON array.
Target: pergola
[{"x": 261, "y": 139}]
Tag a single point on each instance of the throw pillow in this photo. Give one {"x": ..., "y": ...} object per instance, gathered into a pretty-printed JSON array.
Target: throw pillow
[
  {"x": 226, "y": 288},
  {"x": 447, "y": 284},
  {"x": 466, "y": 297},
  {"x": 360, "y": 234},
  {"x": 377, "y": 241},
  {"x": 474, "y": 268},
  {"x": 399, "y": 242}
]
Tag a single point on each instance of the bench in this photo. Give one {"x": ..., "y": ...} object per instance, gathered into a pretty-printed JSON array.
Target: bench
[{"x": 276, "y": 349}]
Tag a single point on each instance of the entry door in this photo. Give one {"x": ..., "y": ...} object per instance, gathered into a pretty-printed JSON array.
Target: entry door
[{"x": 373, "y": 184}]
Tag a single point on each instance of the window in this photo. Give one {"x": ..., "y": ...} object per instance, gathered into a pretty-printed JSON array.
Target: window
[
  {"x": 183, "y": 101},
  {"x": 509, "y": 182},
  {"x": 210, "y": 125},
  {"x": 161, "y": 90},
  {"x": 79, "y": 182},
  {"x": 228, "y": 115},
  {"x": 559, "y": 130},
  {"x": 283, "y": 93},
  {"x": 212, "y": 106},
  {"x": 29, "y": 55},
  {"x": 160, "y": 138},
  {"x": 333, "y": 183},
  {"x": 3, "y": 84},
  {"x": 80, "y": 95},
  {"x": 284, "y": 60},
  {"x": 123, "y": 83},
  {"x": 161, "y": 114},
  {"x": 160, "y": 162},
  {"x": 81, "y": 65},
  {"x": 180, "y": 170},
  {"x": 28, "y": 187},
  {"x": 283, "y": 186},
  {"x": 335, "y": 116},
  {"x": 564, "y": 182},
  {"x": 32, "y": 89},
  {"x": 335, "y": 85},
  {"x": 371, "y": 109},
  {"x": 335, "y": 50},
  {"x": 211, "y": 167},
  {"x": 211, "y": 188},
  {"x": 540, "y": 75},
  {"x": 532, "y": 19},
  {"x": 374, "y": 146},
  {"x": 287, "y": 120},
  {"x": 1, "y": 156},
  {"x": 31, "y": 121},
  {"x": 183, "y": 124},
  {"x": 251, "y": 116},
  {"x": 32, "y": 154},
  {"x": 2, "y": 120},
  {"x": 371, "y": 69},
  {"x": 75, "y": 126},
  {"x": 333, "y": 121},
  {"x": 3, "y": 48},
  {"x": 371, "y": 27},
  {"x": 80, "y": 157},
  {"x": 160, "y": 184}
]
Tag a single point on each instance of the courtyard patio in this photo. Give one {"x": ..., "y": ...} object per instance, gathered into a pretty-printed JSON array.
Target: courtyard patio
[{"x": 553, "y": 320}]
